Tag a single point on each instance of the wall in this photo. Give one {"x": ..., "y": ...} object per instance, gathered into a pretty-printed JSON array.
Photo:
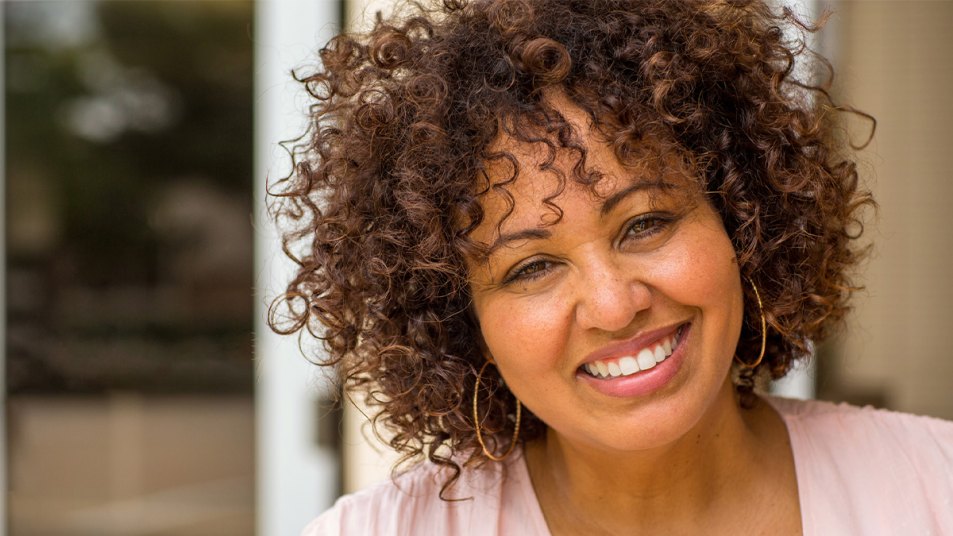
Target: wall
[{"x": 894, "y": 62}]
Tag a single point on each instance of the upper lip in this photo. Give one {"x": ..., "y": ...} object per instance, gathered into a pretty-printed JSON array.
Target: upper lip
[{"x": 631, "y": 347}]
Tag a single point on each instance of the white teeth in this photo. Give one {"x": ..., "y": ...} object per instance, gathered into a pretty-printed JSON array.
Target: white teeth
[
  {"x": 628, "y": 365},
  {"x": 646, "y": 359}
]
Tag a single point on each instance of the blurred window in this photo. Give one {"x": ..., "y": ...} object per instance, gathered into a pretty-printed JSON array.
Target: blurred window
[{"x": 128, "y": 206}]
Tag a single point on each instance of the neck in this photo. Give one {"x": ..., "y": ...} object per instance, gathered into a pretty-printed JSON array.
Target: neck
[{"x": 581, "y": 487}]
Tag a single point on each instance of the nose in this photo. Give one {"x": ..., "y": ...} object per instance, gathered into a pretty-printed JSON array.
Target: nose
[{"x": 609, "y": 295}]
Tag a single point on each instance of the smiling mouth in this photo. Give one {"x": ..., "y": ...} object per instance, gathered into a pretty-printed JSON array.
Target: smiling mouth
[{"x": 645, "y": 359}]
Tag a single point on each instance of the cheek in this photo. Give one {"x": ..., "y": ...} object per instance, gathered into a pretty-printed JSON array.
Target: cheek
[
  {"x": 698, "y": 270},
  {"x": 707, "y": 277},
  {"x": 701, "y": 266},
  {"x": 521, "y": 333}
]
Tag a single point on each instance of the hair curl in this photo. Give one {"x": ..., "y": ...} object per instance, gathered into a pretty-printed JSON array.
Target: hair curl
[{"x": 387, "y": 183}]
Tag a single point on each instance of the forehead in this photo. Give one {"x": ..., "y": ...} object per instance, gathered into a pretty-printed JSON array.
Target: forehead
[
  {"x": 526, "y": 180},
  {"x": 581, "y": 152}
]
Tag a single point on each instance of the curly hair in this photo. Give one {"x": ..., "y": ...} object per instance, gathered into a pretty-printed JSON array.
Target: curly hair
[{"x": 388, "y": 181}]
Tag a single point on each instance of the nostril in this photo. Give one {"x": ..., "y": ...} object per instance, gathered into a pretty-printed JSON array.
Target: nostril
[{"x": 611, "y": 308}]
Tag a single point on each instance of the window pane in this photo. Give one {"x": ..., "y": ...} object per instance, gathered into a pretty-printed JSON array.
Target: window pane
[{"x": 129, "y": 369}]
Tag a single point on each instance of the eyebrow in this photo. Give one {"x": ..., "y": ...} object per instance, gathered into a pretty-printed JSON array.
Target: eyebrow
[
  {"x": 617, "y": 197},
  {"x": 525, "y": 234},
  {"x": 607, "y": 206}
]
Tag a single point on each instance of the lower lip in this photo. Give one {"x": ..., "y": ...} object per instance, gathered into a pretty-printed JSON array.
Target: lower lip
[{"x": 641, "y": 383}]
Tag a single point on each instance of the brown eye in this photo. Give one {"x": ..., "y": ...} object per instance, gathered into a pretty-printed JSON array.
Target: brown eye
[
  {"x": 646, "y": 225},
  {"x": 528, "y": 271}
]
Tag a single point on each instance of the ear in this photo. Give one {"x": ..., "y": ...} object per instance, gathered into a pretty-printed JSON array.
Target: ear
[
  {"x": 481, "y": 343},
  {"x": 485, "y": 351}
]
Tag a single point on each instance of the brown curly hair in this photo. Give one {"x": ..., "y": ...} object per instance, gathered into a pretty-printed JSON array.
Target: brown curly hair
[{"x": 388, "y": 181}]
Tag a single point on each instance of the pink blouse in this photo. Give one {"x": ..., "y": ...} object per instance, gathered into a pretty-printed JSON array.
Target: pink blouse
[{"x": 859, "y": 471}]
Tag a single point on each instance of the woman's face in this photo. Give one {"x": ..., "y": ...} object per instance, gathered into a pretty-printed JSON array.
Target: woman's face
[{"x": 617, "y": 325}]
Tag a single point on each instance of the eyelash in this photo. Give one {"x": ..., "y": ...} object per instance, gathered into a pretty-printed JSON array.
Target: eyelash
[
  {"x": 532, "y": 270},
  {"x": 652, "y": 223},
  {"x": 526, "y": 273}
]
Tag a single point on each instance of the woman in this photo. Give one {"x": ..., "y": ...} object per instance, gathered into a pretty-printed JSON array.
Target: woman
[{"x": 560, "y": 243}]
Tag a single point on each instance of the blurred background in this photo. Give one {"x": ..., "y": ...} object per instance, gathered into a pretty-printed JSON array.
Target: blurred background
[
  {"x": 143, "y": 395},
  {"x": 129, "y": 261}
]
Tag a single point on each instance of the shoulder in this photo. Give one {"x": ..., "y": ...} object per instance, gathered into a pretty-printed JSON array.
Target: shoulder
[
  {"x": 844, "y": 433},
  {"x": 840, "y": 425},
  {"x": 414, "y": 503},
  {"x": 383, "y": 508},
  {"x": 863, "y": 468}
]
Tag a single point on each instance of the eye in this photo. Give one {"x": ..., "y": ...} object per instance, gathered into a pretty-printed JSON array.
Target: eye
[
  {"x": 528, "y": 271},
  {"x": 646, "y": 225}
]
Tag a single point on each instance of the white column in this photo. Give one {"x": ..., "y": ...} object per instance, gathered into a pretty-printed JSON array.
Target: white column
[
  {"x": 296, "y": 478},
  {"x": 3, "y": 282},
  {"x": 801, "y": 382},
  {"x": 366, "y": 459}
]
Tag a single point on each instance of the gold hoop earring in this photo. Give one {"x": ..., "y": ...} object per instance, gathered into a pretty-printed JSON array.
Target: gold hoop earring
[
  {"x": 764, "y": 329},
  {"x": 476, "y": 421}
]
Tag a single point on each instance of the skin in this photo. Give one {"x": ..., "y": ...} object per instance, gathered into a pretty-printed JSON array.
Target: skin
[{"x": 683, "y": 459}]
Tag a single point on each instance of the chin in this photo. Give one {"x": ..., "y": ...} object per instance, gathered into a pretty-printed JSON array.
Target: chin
[{"x": 670, "y": 416}]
